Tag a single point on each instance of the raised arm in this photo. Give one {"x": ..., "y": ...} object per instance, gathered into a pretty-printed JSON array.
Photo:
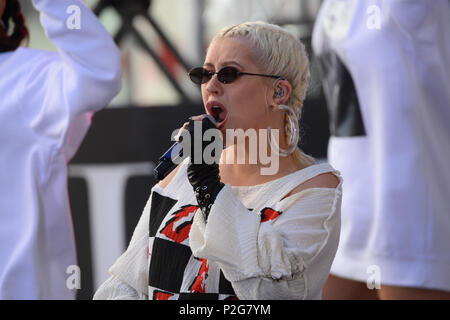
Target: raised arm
[{"x": 84, "y": 74}]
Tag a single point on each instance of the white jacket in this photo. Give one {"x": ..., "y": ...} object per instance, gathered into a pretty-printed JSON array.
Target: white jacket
[
  {"x": 395, "y": 212},
  {"x": 266, "y": 245},
  {"x": 46, "y": 102}
]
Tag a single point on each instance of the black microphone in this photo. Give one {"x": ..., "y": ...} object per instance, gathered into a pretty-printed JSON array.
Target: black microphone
[{"x": 175, "y": 152}]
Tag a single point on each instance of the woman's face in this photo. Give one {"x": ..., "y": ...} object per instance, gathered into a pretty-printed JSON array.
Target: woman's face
[{"x": 244, "y": 102}]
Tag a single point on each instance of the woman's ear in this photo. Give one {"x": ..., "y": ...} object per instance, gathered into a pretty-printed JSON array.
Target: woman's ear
[{"x": 282, "y": 91}]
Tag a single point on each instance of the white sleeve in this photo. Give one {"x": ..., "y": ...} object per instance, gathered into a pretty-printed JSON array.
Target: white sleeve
[
  {"x": 272, "y": 259},
  {"x": 411, "y": 16},
  {"x": 82, "y": 76},
  {"x": 129, "y": 273},
  {"x": 114, "y": 289}
]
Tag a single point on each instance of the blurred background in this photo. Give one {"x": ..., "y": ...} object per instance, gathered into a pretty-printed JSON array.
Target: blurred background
[{"x": 111, "y": 175}]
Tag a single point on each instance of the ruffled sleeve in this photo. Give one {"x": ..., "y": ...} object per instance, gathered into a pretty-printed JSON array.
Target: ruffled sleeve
[{"x": 283, "y": 252}]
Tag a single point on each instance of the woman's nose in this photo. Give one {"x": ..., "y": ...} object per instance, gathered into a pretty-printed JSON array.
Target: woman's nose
[{"x": 214, "y": 86}]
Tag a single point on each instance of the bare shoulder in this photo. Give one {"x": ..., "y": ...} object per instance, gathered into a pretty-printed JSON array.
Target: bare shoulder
[
  {"x": 165, "y": 182},
  {"x": 324, "y": 180}
]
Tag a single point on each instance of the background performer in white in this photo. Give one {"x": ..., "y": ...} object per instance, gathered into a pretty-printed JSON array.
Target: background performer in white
[
  {"x": 47, "y": 99},
  {"x": 395, "y": 208}
]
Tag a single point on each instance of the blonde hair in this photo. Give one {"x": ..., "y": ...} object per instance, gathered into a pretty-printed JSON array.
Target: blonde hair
[{"x": 278, "y": 51}]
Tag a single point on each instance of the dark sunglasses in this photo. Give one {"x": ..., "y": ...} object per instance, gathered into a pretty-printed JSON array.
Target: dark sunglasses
[{"x": 225, "y": 75}]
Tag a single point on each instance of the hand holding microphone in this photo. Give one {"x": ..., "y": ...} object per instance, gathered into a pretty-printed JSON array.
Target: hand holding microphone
[
  {"x": 175, "y": 155},
  {"x": 202, "y": 175}
]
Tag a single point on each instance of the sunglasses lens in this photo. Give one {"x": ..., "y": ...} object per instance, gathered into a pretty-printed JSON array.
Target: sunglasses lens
[
  {"x": 227, "y": 74},
  {"x": 199, "y": 75}
]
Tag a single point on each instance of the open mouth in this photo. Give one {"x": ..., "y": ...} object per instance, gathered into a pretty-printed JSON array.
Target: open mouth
[{"x": 218, "y": 112}]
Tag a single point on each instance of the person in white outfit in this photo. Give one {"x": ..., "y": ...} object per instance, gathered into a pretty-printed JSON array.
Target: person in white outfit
[
  {"x": 225, "y": 230},
  {"x": 47, "y": 100},
  {"x": 387, "y": 79}
]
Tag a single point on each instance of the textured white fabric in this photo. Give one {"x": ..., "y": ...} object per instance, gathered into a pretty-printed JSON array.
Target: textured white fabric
[
  {"x": 395, "y": 209},
  {"x": 46, "y": 103},
  {"x": 114, "y": 289},
  {"x": 285, "y": 258}
]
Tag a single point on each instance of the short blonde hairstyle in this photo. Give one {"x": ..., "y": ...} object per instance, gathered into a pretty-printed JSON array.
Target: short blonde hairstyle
[{"x": 278, "y": 51}]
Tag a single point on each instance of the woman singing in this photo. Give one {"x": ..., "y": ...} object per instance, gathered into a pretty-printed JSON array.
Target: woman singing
[{"x": 225, "y": 230}]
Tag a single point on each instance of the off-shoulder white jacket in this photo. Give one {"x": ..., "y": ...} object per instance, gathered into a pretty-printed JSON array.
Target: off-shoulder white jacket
[{"x": 286, "y": 256}]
